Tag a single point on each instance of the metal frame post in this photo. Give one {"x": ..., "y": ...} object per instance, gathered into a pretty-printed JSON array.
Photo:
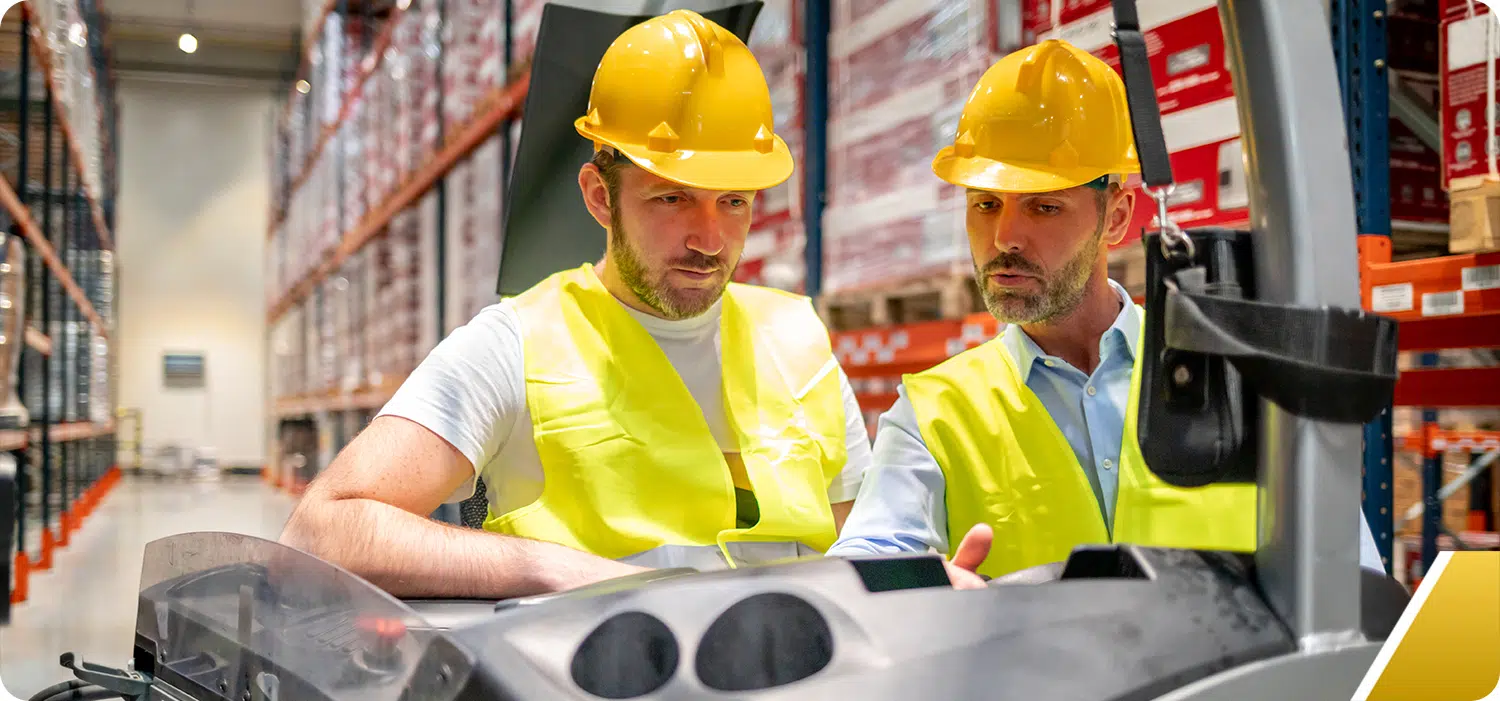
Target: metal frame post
[
  {"x": 46, "y": 286},
  {"x": 1302, "y": 213},
  {"x": 1359, "y": 47},
  {"x": 32, "y": 263},
  {"x": 1432, "y": 481},
  {"x": 815, "y": 27},
  {"x": 60, "y": 346}
]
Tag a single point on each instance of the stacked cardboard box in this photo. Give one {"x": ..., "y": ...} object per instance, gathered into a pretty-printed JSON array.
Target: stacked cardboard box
[
  {"x": 525, "y": 24},
  {"x": 773, "y": 253},
  {"x": 473, "y": 236},
  {"x": 1471, "y": 130},
  {"x": 473, "y": 56},
  {"x": 1185, "y": 43},
  {"x": 899, "y": 74}
]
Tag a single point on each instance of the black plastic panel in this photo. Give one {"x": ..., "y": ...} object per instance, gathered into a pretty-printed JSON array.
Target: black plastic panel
[
  {"x": 898, "y": 573},
  {"x": 762, "y": 642}
]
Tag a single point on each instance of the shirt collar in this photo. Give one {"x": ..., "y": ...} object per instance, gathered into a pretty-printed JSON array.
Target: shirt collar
[{"x": 1123, "y": 335}]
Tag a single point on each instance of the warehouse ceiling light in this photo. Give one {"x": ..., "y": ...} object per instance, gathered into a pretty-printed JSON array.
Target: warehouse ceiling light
[
  {"x": 403, "y": 4},
  {"x": 303, "y": 86},
  {"x": 187, "y": 42},
  {"x": 78, "y": 34}
]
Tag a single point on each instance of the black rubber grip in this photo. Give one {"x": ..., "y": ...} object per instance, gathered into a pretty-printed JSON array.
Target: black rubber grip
[{"x": 1140, "y": 94}]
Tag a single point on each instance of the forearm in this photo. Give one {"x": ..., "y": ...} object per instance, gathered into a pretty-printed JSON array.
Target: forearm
[{"x": 412, "y": 556}]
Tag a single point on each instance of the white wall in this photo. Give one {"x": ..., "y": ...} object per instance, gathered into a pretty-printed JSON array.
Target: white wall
[{"x": 194, "y": 192}]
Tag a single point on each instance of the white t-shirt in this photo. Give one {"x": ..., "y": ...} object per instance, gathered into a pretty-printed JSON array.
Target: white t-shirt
[{"x": 471, "y": 391}]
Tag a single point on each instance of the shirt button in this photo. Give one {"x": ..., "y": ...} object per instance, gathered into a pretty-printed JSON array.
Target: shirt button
[
  {"x": 1092, "y": 391},
  {"x": 1109, "y": 464},
  {"x": 1050, "y": 364}
]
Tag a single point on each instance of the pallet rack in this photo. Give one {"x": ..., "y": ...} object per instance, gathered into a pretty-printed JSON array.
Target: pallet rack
[
  {"x": 60, "y": 202},
  {"x": 1438, "y": 300},
  {"x": 328, "y": 419}
]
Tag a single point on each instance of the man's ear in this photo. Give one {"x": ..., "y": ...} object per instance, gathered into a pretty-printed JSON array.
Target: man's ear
[
  {"x": 1121, "y": 210},
  {"x": 595, "y": 193}
]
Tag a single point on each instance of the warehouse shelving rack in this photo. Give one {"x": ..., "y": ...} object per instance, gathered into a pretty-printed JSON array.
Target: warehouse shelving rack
[
  {"x": 337, "y": 416},
  {"x": 66, "y": 460},
  {"x": 1447, "y": 307}
]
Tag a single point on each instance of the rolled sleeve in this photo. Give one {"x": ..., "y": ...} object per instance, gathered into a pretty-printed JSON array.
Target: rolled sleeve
[{"x": 900, "y": 508}]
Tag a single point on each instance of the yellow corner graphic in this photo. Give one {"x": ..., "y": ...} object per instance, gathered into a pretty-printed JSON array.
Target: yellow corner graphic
[{"x": 1446, "y": 646}]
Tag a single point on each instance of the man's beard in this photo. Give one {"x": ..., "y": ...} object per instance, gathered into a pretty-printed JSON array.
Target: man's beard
[
  {"x": 1060, "y": 294},
  {"x": 652, "y": 287}
]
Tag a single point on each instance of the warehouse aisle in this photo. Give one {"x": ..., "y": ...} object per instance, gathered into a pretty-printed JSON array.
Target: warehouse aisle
[{"x": 87, "y": 602}]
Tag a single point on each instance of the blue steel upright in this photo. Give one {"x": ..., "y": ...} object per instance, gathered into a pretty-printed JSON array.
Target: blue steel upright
[
  {"x": 816, "y": 19},
  {"x": 1359, "y": 48}
]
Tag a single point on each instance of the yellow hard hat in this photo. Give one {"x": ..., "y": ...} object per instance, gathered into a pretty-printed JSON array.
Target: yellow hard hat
[
  {"x": 1047, "y": 117},
  {"x": 685, "y": 99}
]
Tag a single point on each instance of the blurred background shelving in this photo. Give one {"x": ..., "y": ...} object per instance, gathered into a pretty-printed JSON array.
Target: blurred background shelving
[{"x": 57, "y": 188}]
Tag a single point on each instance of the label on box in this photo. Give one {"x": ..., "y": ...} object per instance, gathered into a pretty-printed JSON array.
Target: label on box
[
  {"x": 1210, "y": 189},
  {"x": 1469, "y": 47},
  {"x": 1442, "y": 303},
  {"x": 1187, "y": 61},
  {"x": 1485, "y": 277},
  {"x": 1391, "y": 298}
]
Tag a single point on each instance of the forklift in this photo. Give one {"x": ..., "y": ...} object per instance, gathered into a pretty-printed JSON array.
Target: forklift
[{"x": 1260, "y": 367}]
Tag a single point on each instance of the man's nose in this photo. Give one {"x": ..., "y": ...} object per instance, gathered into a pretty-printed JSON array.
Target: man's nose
[
  {"x": 1010, "y": 229},
  {"x": 707, "y": 237}
]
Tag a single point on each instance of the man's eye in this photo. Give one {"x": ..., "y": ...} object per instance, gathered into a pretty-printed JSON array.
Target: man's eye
[
  {"x": 670, "y": 199},
  {"x": 986, "y": 205},
  {"x": 738, "y": 202},
  {"x": 1048, "y": 208}
]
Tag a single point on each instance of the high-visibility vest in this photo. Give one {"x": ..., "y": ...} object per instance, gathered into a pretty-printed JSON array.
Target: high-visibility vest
[
  {"x": 1006, "y": 463},
  {"x": 630, "y": 468}
]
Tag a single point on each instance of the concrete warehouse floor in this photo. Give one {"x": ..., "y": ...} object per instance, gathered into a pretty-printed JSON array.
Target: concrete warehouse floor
[{"x": 86, "y": 603}]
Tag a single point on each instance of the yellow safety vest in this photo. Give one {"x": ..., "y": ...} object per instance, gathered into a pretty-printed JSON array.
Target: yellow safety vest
[
  {"x": 1007, "y": 464},
  {"x": 629, "y": 463}
]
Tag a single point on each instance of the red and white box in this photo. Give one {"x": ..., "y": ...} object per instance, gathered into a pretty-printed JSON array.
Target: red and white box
[
  {"x": 1470, "y": 46},
  {"x": 774, "y": 256},
  {"x": 526, "y": 23},
  {"x": 900, "y": 73},
  {"x": 879, "y": 49},
  {"x": 1417, "y": 193},
  {"x": 1040, "y": 16},
  {"x": 1208, "y": 171}
]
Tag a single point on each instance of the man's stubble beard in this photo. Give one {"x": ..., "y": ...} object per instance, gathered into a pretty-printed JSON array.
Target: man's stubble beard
[
  {"x": 1060, "y": 294},
  {"x": 652, "y": 288}
]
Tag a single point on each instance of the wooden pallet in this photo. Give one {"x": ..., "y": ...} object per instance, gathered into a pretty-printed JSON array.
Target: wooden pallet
[{"x": 952, "y": 296}]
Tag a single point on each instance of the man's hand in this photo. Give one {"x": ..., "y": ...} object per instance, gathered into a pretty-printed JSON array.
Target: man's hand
[{"x": 967, "y": 558}]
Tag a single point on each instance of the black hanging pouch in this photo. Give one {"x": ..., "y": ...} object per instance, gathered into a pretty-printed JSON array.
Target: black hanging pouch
[{"x": 1212, "y": 351}]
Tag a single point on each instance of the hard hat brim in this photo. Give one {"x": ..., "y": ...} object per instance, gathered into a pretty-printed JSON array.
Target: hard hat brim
[
  {"x": 991, "y": 175},
  {"x": 708, "y": 170}
]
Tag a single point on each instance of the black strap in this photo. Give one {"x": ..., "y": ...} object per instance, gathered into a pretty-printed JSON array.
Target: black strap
[{"x": 1140, "y": 94}]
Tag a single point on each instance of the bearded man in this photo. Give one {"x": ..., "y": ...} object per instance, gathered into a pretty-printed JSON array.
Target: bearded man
[
  {"x": 635, "y": 413},
  {"x": 1013, "y": 453}
]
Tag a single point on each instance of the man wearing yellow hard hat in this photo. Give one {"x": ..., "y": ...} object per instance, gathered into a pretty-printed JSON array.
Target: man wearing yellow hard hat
[
  {"x": 638, "y": 412},
  {"x": 1013, "y": 453}
]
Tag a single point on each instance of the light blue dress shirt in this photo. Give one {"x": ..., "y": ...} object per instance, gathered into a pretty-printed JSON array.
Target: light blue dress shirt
[{"x": 902, "y": 507}]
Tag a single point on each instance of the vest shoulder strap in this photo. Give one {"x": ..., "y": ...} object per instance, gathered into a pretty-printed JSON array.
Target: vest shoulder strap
[{"x": 789, "y": 328}]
